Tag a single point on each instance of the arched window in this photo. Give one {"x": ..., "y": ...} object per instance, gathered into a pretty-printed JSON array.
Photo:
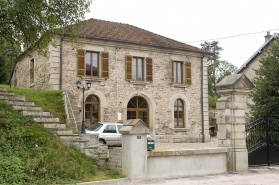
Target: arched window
[
  {"x": 91, "y": 110},
  {"x": 138, "y": 109},
  {"x": 178, "y": 114}
]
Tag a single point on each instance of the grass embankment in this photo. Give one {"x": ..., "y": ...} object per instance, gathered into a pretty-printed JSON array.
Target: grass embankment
[
  {"x": 30, "y": 154},
  {"x": 51, "y": 101}
]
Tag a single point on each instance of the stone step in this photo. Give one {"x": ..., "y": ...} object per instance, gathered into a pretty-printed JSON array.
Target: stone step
[
  {"x": 61, "y": 131},
  {"x": 54, "y": 125},
  {"x": 25, "y": 103},
  {"x": 27, "y": 108},
  {"x": 12, "y": 98},
  {"x": 45, "y": 120},
  {"x": 8, "y": 93},
  {"x": 3, "y": 89},
  {"x": 36, "y": 114}
]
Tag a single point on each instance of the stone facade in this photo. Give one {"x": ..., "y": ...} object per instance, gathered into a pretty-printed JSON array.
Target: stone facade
[
  {"x": 115, "y": 159},
  {"x": 115, "y": 92},
  {"x": 41, "y": 72}
]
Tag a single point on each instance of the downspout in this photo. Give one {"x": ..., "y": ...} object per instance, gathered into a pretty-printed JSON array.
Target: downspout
[
  {"x": 117, "y": 110},
  {"x": 202, "y": 113},
  {"x": 61, "y": 59}
]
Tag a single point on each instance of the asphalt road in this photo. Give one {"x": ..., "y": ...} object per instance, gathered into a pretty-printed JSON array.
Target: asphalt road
[{"x": 255, "y": 176}]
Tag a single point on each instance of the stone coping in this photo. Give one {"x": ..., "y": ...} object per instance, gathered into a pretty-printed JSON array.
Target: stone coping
[{"x": 184, "y": 152}]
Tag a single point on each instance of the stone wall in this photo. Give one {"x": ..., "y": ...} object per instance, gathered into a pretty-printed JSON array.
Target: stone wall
[
  {"x": 115, "y": 159},
  {"x": 115, "y": 92},
  {"x": 41, "y": 72}
]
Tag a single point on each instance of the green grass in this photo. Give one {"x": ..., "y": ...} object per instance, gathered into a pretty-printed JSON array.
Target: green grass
[
  {"x": 51, "y": 101},
  {"x": 30, "y": 154}
]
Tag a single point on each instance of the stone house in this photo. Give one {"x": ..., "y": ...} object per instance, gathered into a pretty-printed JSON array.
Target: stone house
[
  {"x": 248, "y": 68},
  {"x": 135, "y": 74},
  {"x": 253, "y": 62}
]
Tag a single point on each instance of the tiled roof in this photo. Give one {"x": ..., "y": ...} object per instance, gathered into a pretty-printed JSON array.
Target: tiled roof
[{"x": 126, "y": 33}]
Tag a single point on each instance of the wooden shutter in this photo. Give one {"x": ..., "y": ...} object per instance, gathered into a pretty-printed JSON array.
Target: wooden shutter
[
  {"x": 149, "y": 69},
  {"x": 188, "y": 79},
  {"x": 129, "y": 61},
  {"x": 80, "y": 62},
  {"x": 105, "y": 65},
  {"x": 172, "y": 78}
]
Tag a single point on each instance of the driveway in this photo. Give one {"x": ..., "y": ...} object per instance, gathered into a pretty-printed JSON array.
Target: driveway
[{"x": 255, "y": 176}]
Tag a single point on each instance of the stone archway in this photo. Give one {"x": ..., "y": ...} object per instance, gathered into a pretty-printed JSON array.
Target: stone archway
[{"x": 151, "y": 108}]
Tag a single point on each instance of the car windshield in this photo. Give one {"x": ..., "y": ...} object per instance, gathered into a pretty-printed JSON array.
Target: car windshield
[{"x": 95, "y": 127}]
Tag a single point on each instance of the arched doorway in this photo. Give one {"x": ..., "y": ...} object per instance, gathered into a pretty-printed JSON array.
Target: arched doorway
[
  {"x": 91, "y": 110},
  {"x": 137, "y": 108}
]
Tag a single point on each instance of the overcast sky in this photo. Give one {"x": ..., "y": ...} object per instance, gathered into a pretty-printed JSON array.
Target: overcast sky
[{"x": 195, "y": 20}]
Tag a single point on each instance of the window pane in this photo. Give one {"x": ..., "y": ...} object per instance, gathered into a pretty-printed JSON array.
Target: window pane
[
  {"x": 143, "y": 116},
  {"x": 88, "y": 63},
  {"x": 119, "y": 127},
  {"x": 175, "y": 118},
  {"x": 134, "y": 69},
  {"x": 140, "y": 69},
  {"x": 175, "y": 102},
  {"x": 95, "y": 114},
  {"x": 87, "y": 114},
  {"x": 88, "y": 99},
  {"x": 131, "y": 115},
  {"x": 132, "y": 103},
  {"x": 179, "y": 73},
  {"x": 110, "y": 129},
  {"x": 95, "y": 99},
  {"x": 95, "y": 64},
  {"x": 180, "y": 102},
  {"x": 174, "y": 72},
  {"x": 180, "y": 109},
  {"x": 142, "y": 103}
]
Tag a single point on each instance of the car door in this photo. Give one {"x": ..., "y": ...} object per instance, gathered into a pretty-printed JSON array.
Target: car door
[
  {"x": 119, "y": 135},
  {"x": 110, "y": 135}
]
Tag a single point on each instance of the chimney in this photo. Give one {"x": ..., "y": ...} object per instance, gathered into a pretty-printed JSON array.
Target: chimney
[{"x": 267, "y": 37}]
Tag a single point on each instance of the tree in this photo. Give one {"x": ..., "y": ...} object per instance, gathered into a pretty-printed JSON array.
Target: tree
[
  {"x": 34, "y": 22},
  {"x": 214, "y": 48},
  {"x": 265, "y": 95},
  {"x": 217, "y": 70}
]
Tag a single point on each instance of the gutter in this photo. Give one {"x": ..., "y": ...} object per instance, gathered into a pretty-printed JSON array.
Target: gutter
[
  {"x": 61, "y": 59},
  {"x": 202, "y": 113}
]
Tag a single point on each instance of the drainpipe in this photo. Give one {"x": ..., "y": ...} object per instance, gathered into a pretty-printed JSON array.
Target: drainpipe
[
  {"x": 202, "y": 113},
  {"x": 117, "y": 110},
  {"x": 61, "y": 59}
]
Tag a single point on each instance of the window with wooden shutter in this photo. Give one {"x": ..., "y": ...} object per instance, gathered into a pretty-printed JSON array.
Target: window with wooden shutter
[
  {"x": 177, "y": 72},
  {"x": 105, "y": 65},
  {"x": 80, "y": 62},
  {"x": 129, "y": 67},
  {"x": 188, "y": 77},
  {"x": 149, "y": 69}
]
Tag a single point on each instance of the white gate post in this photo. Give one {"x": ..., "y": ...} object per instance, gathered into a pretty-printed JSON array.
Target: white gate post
[
  {"x": 134, "y": 149},
  {"x": 231, "y": 108}
]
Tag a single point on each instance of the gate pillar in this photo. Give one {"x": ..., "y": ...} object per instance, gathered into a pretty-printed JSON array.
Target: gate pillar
[{"x": 231, "y": 108}]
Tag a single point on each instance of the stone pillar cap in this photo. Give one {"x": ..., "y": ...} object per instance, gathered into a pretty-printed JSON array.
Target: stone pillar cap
[
  {"x": 134, "y": 126},
  {"x": 235, "y": 83}
]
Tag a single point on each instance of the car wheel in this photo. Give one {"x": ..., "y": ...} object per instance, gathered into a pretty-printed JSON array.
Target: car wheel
[{"x": 101, "y": 141}]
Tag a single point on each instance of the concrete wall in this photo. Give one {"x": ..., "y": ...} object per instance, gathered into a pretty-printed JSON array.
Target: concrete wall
[{"x": 178, "y": 163}]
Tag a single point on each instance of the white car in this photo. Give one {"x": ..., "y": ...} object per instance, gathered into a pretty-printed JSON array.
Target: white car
[{"x": 108, "y": 133}]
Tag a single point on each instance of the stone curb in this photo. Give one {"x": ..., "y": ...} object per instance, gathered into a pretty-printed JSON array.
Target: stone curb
[{"x": 104, "y": 181}]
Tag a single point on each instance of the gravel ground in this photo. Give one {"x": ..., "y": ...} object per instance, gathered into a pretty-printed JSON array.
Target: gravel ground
[{"x": 164, "y": 146}]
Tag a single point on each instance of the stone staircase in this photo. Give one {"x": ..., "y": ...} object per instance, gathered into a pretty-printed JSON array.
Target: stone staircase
[{"x": 88, "y": 144}]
